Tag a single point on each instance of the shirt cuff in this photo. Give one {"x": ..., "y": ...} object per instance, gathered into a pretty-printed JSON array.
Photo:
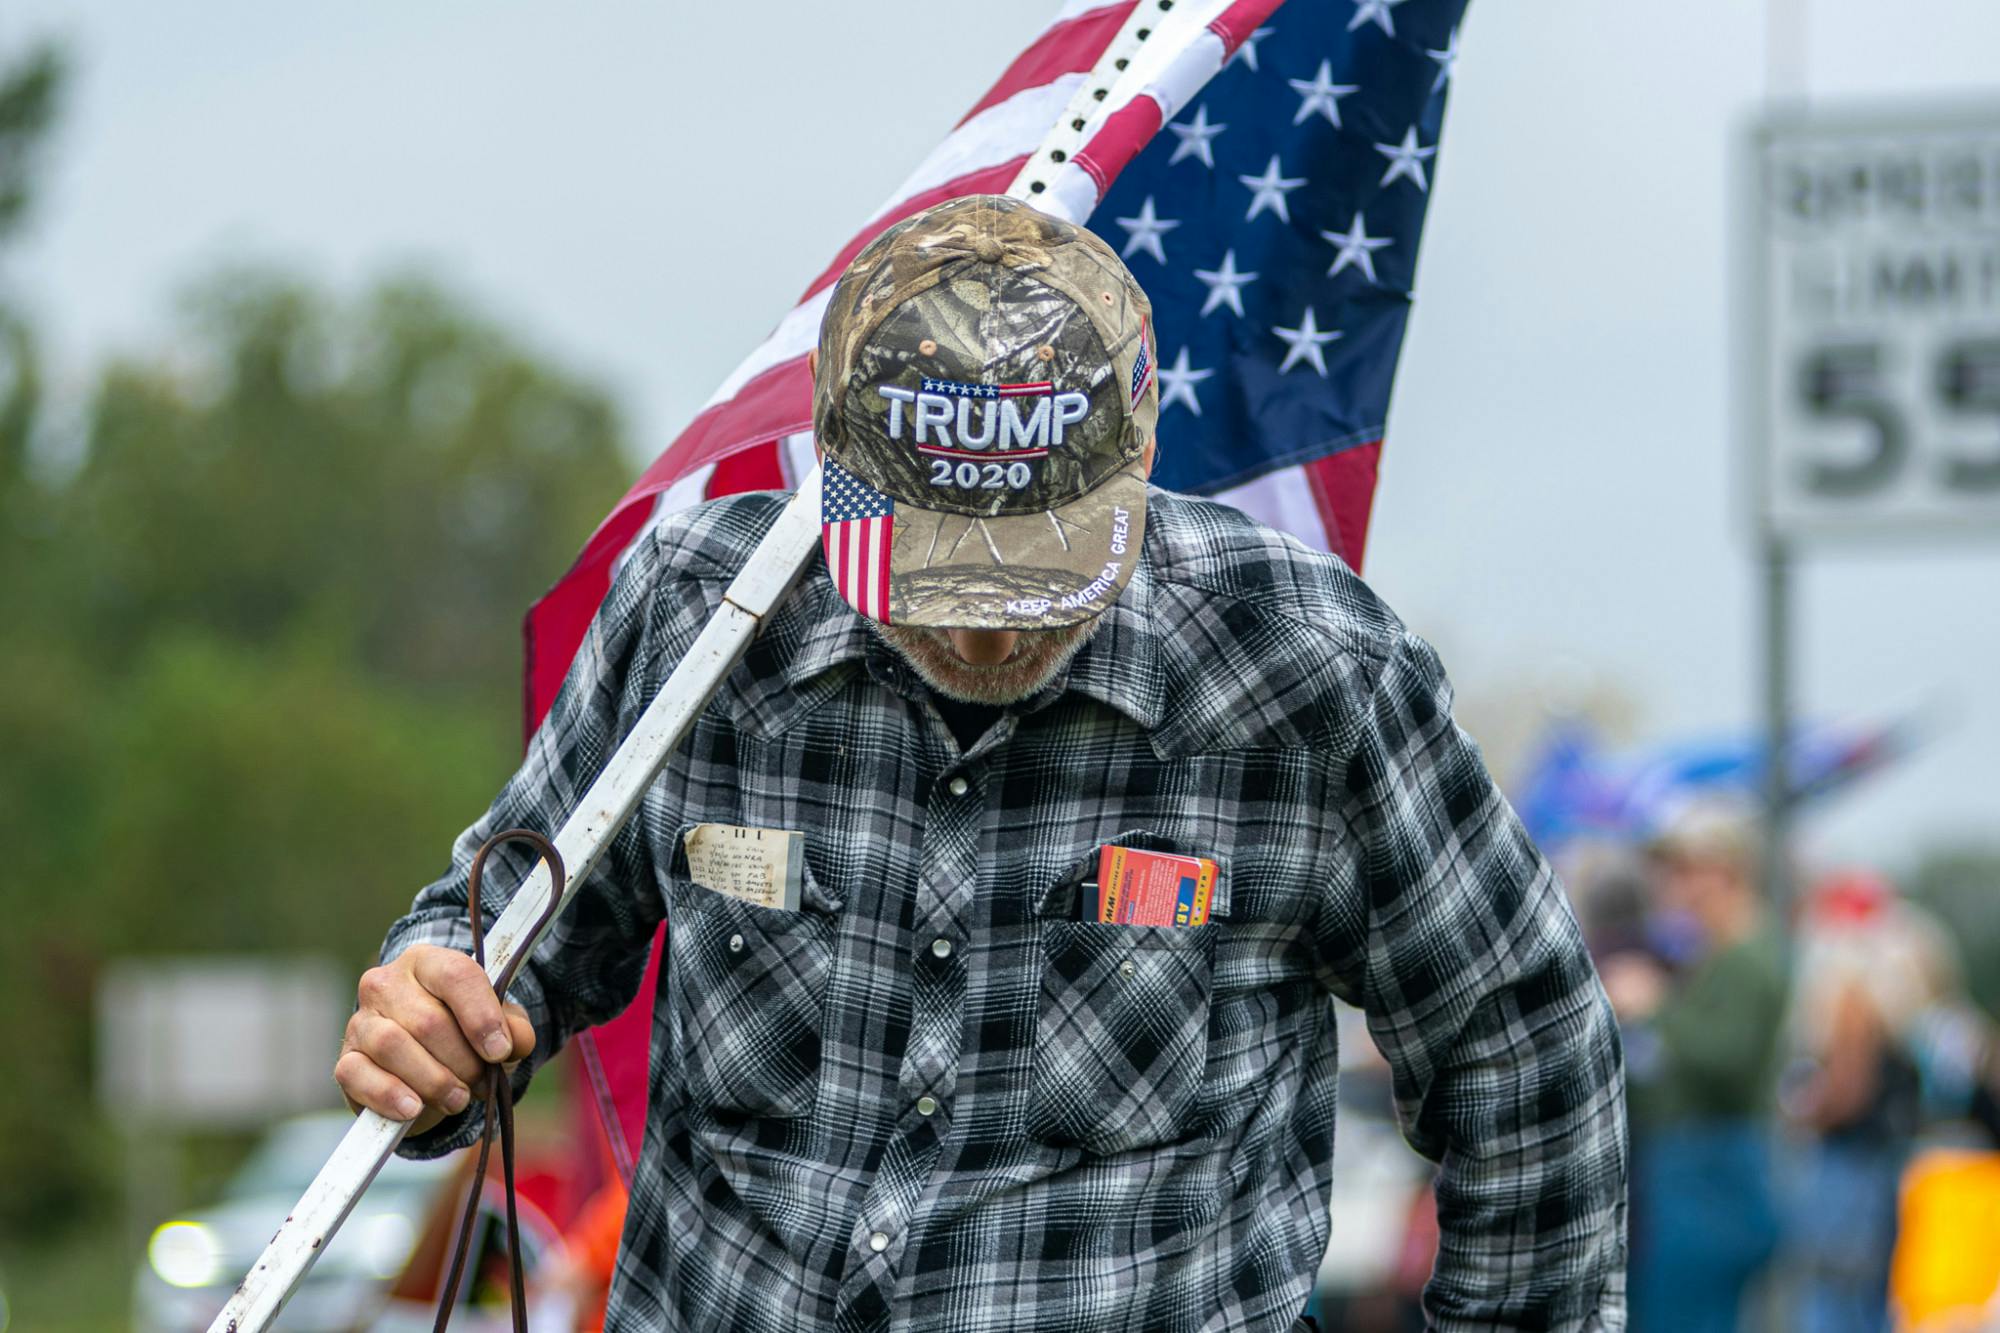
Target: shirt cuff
[{"x": 463, "y": 1130}]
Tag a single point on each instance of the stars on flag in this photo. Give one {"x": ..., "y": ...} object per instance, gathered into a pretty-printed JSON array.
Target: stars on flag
[
  {"x": 1144, "y": 232},
  {"x": 1177, "y": 384},
  {"x": 1356, "y": 248},
  {"x": 845, "y": 497},
  {"x": 1447, "y": 61},
  {"x": 1305, "y": 343},
  {"x": 1303, "y": 275},
  {"x": 1376, "y": 12},
  {"x": 1196, "y": 139},
  {"x": 1225, "y": 285},
  {"x": 957, "y": 390},
  {"x": 1320, "y": 95},
  {"x": 1406, "y": 159},
  {"x": 1269, "y": 190},
  {"x": 1247, "y": 53}
]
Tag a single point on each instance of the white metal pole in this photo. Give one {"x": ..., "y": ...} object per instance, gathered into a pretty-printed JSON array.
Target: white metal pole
[{"x": 766, "y": 578}]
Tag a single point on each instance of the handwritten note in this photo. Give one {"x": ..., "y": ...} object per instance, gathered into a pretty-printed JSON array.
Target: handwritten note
[{"x": 765, "y": 866}]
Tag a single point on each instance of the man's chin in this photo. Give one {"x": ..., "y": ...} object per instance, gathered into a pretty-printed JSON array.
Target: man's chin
[{"x": 1036, "y": 660}]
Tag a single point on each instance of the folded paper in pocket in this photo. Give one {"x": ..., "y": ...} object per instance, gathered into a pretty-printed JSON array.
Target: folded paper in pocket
[
  {"x": 1140, "y": 888},
  {"x": 761, "y": 866}
]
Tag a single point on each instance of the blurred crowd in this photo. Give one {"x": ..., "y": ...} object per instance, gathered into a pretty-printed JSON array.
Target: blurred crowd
[{"x": 1812, "y": 1093}]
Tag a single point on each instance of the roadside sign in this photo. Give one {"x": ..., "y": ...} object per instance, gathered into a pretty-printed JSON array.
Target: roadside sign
[
  {"x": 217, "y": 1042},
  {"x": 1875, "y": 304}
]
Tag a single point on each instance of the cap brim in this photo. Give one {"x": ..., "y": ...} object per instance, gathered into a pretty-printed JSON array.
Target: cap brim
[{"x": 1043, "y": 570}]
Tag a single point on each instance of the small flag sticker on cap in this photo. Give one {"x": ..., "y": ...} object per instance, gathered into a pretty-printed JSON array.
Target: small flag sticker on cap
[
  {"x": 858, "y": 523},
  {"x": 1142, "y": 369}
]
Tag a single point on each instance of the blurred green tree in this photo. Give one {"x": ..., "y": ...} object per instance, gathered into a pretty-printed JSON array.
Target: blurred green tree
[
  {"x": 30, "y": 90},
  {"x": 259, "y": 653}
]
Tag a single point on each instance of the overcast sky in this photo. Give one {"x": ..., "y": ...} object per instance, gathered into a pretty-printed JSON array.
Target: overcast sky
[{"x": 642, "y": 191}]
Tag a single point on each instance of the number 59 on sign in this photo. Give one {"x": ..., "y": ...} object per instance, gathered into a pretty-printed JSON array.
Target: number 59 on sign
[{"x": 1875, "y": 248}]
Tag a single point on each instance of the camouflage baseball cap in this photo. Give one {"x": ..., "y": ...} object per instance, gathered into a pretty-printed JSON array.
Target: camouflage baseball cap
[{"x": 984, "y": 398}]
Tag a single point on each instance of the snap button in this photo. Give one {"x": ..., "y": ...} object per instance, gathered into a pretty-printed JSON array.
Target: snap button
[
  {"x": 959, "y": 786},
  {"x": 940, "y": 947},
  {"x": 736, "y": 944},
  {"x": 879, "y": 1242},
  {"x": 1126, "y": 969},
  {"x": 926, "y": 1105}
]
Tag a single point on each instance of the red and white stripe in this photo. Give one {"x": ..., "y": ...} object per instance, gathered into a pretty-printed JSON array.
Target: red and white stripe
[
  {"x": 857, "y": 555},
  {"x": 755, "y": 431},
  {"x": 981, "y": 455}
]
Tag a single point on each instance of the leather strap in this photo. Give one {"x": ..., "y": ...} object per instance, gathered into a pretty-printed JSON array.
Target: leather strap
[{"x": 497, "y": 1091}]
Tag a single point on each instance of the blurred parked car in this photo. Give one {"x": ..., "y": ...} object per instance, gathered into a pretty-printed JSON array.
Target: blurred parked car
[
  {"x": 382, "y": 1273},
  {"x": 195, "y": 1260}
]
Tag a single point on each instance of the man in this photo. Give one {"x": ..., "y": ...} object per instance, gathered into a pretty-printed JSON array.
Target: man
[
  {"x": 1705, "y": 1051},
  {"x": 946, "y": 1084}
]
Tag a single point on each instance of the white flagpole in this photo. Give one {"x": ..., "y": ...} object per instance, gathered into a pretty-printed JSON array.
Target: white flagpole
[{"x": 765, "y": 580}]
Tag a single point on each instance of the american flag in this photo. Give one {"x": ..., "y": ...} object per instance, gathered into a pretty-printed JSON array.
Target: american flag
[
  {"x": 1142, "y": 369},
  {"x": 1274, "y": 224},
  {"x": 958, "y": 390},
  {"x": 860, "y": 523}
]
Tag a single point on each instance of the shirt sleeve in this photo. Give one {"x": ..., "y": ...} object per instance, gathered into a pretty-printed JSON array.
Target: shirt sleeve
[
  {"x": 1450, "y": 931},
  {"x": 588, "y": 967}
]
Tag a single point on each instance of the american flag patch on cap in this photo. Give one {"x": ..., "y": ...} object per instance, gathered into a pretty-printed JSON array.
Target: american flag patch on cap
[
  {"x": 1142, "y": 369},
  {"x": 858, "y": 524}
]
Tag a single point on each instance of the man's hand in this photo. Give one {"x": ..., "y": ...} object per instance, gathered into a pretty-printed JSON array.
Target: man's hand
[{"x": 428, "y": 1024}]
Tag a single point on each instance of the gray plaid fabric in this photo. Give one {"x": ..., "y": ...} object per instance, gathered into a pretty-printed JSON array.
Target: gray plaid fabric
[{"x": 1133, "y": 1127}]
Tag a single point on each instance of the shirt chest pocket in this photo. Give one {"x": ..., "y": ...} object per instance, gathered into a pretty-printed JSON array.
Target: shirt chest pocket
[
  {"x": 1121, "y": 1037},
  {"x": 749, "y": 989}
]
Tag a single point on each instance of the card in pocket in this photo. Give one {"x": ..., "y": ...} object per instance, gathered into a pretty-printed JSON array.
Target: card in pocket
[
  {"x": 1142, "y": 888},
  {"x": 761, "y": 866}
]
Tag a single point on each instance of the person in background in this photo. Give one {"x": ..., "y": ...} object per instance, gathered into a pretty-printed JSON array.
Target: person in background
[
  {"x": 1702, "y": 1009},
  {"x": 1871, "y": 968}
]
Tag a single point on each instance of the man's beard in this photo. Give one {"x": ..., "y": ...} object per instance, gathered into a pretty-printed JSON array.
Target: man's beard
[{"x": 1039, "y": 655}]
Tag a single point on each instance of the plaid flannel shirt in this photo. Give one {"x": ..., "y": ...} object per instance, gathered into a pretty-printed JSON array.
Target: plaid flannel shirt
[{"x": 936, "y": 1098}]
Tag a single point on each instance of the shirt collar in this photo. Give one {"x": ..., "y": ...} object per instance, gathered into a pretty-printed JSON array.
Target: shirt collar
[
  {"x": 1120, "y": 666},
  {"x": 830, "y": 632}
]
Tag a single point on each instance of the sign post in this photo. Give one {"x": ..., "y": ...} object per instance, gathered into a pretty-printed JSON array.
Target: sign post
[{"x": 1871, "y": 392}]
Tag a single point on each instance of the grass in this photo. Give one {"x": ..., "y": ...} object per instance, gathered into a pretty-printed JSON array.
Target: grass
[{"x": 80, "y": 1285}]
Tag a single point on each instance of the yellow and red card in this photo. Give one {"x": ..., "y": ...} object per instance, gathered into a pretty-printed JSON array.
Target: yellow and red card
[{"x": 1140, "y": 888}]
